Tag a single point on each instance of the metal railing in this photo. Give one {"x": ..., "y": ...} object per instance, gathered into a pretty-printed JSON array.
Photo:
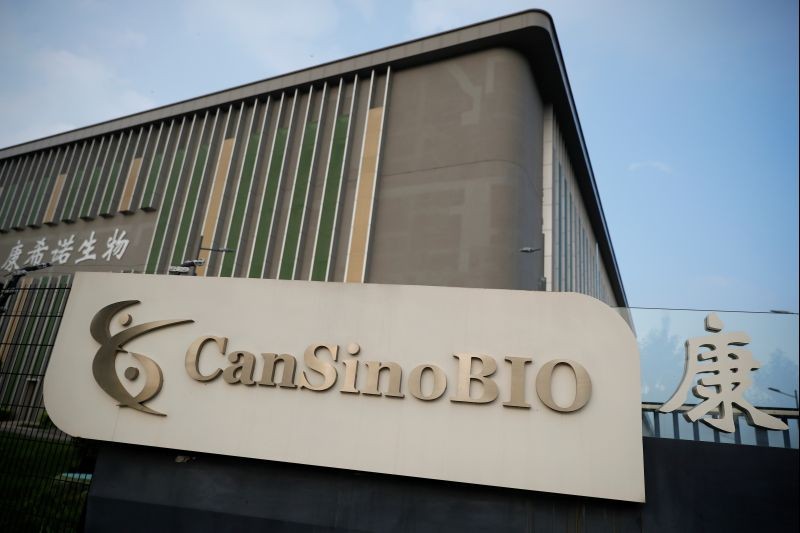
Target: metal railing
[
  {"x": 44, "y": 473},
  {"x": 675, "y": 425}
]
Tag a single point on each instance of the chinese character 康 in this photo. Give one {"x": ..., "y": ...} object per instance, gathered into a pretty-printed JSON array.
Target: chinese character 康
[
  {"x": 730, "y": 366},
  {"x": 13, "y": 256}
]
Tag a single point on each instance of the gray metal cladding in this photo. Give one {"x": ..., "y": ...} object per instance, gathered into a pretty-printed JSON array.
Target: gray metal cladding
[{"x": 265, "y": 179}]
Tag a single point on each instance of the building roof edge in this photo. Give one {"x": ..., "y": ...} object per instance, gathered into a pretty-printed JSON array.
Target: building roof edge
[{"x": 437, "y": 46}]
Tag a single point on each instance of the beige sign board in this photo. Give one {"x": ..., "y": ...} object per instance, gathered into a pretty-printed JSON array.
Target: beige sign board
[{"x": 196, "y": 364}]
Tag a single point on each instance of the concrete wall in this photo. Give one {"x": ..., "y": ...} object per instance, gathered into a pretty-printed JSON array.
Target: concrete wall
[
  {"x": 718, "y": 488},
  {"x": 460, "y": 177},
  {"x": 572, "y": 260}
]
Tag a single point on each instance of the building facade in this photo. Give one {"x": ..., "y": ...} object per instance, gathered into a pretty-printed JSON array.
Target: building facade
[
  {"x": 454, "y": 160},
  {"x": 432, "y": 162}
]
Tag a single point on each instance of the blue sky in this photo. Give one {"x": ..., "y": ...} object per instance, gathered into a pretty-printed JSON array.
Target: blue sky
[{"x": 689, "y": 108}]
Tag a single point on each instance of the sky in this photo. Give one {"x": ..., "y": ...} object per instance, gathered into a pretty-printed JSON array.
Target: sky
[{"x": 689, "y": 108}]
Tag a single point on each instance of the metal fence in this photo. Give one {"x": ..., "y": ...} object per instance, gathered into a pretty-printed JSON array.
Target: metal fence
[
  {"x": 44, "y": 474},
  {"x": 674, "y": 425}
]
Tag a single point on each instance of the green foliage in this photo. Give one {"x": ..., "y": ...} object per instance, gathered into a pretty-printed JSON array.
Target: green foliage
[
  {"x": 44, "y": 420},
  {"x": 31, "y": 496}
]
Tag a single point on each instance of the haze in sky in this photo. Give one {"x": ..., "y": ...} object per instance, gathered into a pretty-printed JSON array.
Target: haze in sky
[{"x": 689, "y": 109}]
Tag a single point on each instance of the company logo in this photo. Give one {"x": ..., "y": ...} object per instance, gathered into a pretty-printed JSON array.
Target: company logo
[
  {"x": 104, "y": 363},
  {"x": 474, "y": 382}
]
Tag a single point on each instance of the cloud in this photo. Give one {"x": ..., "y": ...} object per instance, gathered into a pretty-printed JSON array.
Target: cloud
[
  {"x": 658, "y": 166},
  {"x": 131, "y": 39},
  {"x": 431, "y": 16},
  {"x": 61, "y": 65},
  {"x": 281, "y": 38},
  {"x": 65, "y": 90},
  {"x": 88, "y": 82},
  {"x": 719, "y": 281},
  {"x": 366, "y": 8}
]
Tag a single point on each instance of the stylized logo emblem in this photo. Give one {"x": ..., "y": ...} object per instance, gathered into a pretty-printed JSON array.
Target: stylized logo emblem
[{"x": 104, "y": 367}]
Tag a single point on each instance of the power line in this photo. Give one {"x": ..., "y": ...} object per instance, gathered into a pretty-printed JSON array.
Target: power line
[{"x": 771, "y": 312}]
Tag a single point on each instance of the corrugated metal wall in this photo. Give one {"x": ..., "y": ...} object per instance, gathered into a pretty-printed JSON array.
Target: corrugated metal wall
[
  {"x": 286, "y": 181},
  {"x": 572, "y": 254}
]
